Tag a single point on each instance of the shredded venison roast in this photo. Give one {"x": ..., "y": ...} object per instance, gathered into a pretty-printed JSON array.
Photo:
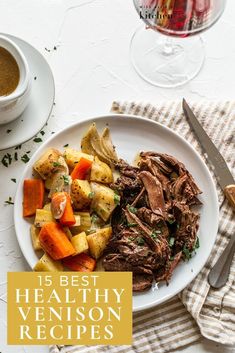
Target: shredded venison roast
[{"x": 154, "y": 227}]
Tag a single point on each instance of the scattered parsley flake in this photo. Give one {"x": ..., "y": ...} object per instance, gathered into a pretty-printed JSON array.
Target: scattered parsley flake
[
  {"x": 187, "y": 253},
  {"x": 94, "y": 217},
  {"x": 91, "y": 195},
  {"x": 66, "y": 179},
  {"x": 171, "y": 242},
  {"x": 177, "y": 226},
  {"x": 66, "y": 145},
  {"x": 171, "y": 221},
  {"x": 42, "y": 132},
  {"x": 18, "y": 147},
  {"x": 9, "y": 201},
  {"x": 52, "y": 132},
  {"x": 154, "y": 235},
  {"x": 48, "y": 50},
  {"x": 6, "y": 160},
  {"x": 131, "y": 224},
  {"x": 140, "y": 241},
  {"x": 37, "y": 139},
  {"x": 8, "y": 131},
  {"x": 25, "y": 158},
  {"x": 35, "y": 77},
  {"x": 16, "y": 156},
  {"x": 28, "y": 152},
  {"x": 117, "y": 199},
  {"x": 14, "y": 180},
  {"x": 56, "y": 164},
  {"x": 132, "y": 209},
  {"x": 197, "y": 244}
]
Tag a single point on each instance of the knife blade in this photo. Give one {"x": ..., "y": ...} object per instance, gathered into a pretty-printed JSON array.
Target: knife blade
[{"x": 221, "y": 170}]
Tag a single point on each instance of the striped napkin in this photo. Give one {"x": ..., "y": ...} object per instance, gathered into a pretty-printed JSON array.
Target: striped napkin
[{"x": 198, "y": 310}]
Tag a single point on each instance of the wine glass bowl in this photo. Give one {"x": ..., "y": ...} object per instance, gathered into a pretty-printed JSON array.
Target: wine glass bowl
[{"x": 177, "y": 57}]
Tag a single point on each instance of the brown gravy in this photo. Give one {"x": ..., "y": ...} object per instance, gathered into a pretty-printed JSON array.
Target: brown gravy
[{"x": 9, "y": 72}]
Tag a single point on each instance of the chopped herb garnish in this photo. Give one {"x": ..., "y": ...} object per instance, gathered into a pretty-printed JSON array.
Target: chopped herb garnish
[
  {"x": 91, "y": 195},
  {"x": 37, "y": 139},
  {"x": 131, "y": 224},
  {"x": 42, "y": 132},
  {"x": 52, "y": 132},
  {"x": 171, "y": 242},
  {"x": 16, "y": 156},
  {"x": 35, "y": 77},
  {"x": 171, "y": 220},
  {"x": 28, "y": 152},
  {"x": 177, "y": 226},
  {"x": 9, "y": 201},
  {"x": 117, "y": 199},
  {"x": 6, "y": 160},
  {"x": 172, "y": 258},
  {"x": 55, "y": 48},
  {"x": 66, "y": 179},
  {"x": 47, "y": 50},
  {"x": 187, "y": 253},
  {"x": 140, "y": 241},
  {"x": 197, "y": 244},
  {"x": 8, "y": 131},
  {"x": 154, "y": 235},
  {"x": 56, "y": 164},
  {"x": 14, "y": 180},
  {"x": 94, "y": 217},
  {"x": 132, "y": 209},
  {"x": 66, "y": 145},
  {"x": 18, "y": 147},
  {"x": 25, "y": 158}
]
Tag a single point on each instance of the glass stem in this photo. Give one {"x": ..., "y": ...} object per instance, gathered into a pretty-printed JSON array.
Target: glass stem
[{"x": 168, "y": 48}]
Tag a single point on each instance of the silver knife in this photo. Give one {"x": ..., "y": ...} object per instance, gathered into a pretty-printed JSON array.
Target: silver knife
[{"x": 219, "y": 273}]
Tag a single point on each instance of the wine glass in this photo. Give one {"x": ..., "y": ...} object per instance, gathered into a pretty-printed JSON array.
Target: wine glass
[{"x": 166, "y": 51}]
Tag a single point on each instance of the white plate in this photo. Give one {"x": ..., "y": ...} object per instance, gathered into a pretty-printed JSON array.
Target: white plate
[
  {"x": 41, "y": 101},
  {"x": 130, "y": 135}
]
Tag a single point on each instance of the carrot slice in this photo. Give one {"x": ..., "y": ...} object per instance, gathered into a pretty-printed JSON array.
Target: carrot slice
[
  {"x": 68, "y": 218},
  {"x": 81, "y": 169},
  {"x": 54, "y": 241},
  {"x": 33, "y": 196},
  {"x": 81, "y": 263}
]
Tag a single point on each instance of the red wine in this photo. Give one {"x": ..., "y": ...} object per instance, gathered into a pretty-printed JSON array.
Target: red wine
[{"x": 180, "y": 17}]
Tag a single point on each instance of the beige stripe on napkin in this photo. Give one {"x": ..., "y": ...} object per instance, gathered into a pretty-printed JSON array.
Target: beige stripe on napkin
[{"x": 198, "y": 310}]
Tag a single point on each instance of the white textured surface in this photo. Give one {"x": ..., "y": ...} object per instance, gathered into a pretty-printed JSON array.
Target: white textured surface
[{"x": 91, "y": 67}]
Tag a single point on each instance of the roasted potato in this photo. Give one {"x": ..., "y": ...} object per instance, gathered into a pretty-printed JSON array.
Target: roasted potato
[
  {"x": 101, "y": 172},
  {"x": 47, "y": 264},
  {"x": 42, "y": 217},
  {"x": 47, "y": 206},
  {"x": 80, "y": 243},
  {"x": 72, "y": 157},
  {"x": 104, "y": 200},
  {"x": 80, "y": 194},
  {"x": 85, "y": 223},
  {"x": 97, "y": 241},
  {"x": 47, "y": 163},
  {"x": 34, "y": 237}
]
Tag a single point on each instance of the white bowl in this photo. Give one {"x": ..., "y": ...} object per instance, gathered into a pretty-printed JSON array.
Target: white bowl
[{"x": 13, "y": 105}]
